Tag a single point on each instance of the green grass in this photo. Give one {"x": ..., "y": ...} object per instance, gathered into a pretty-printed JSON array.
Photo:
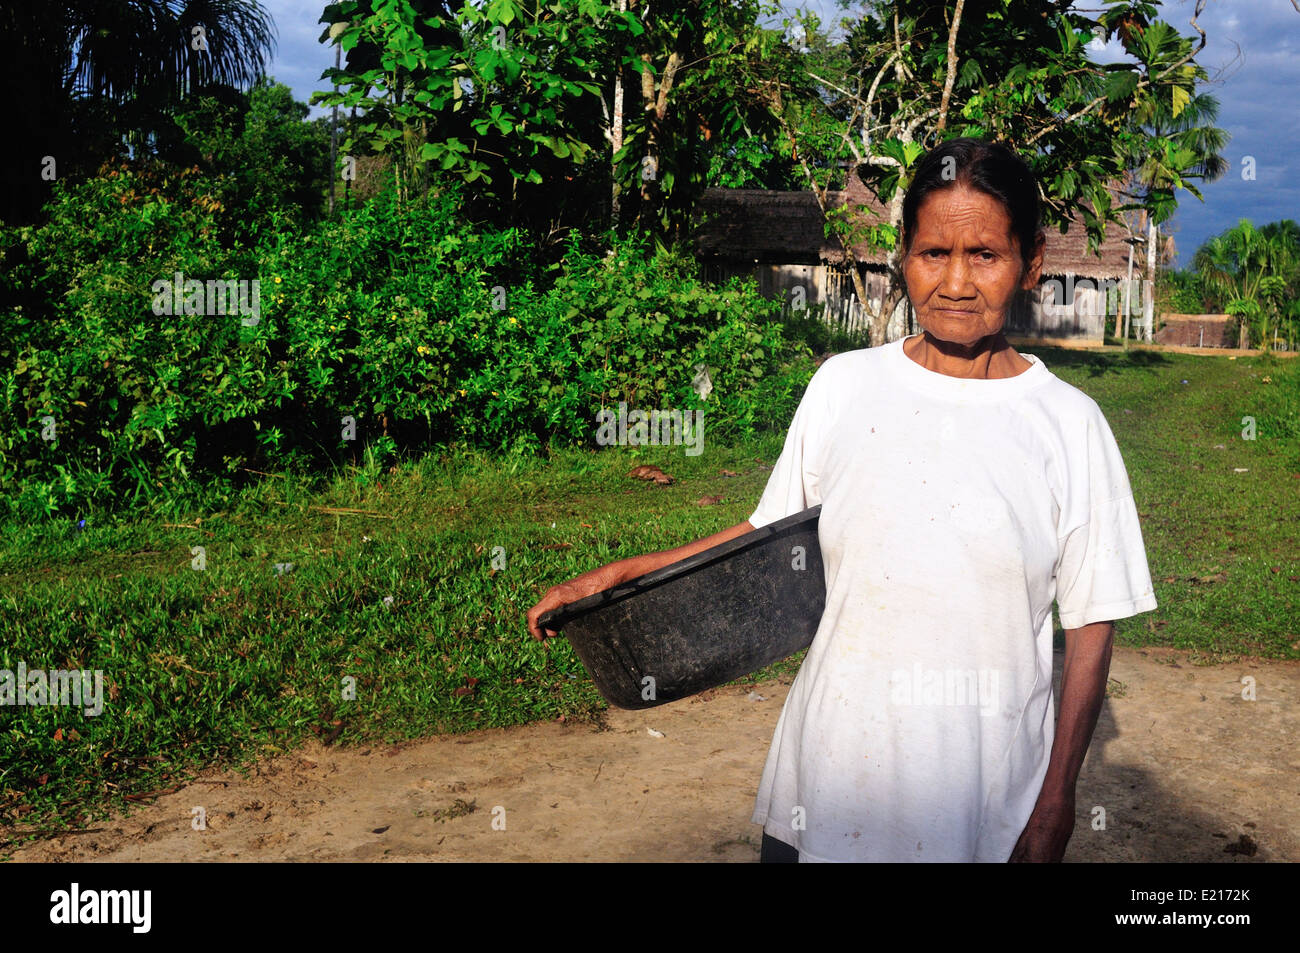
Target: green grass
[
  {"x": 225, "y": 664},
  {"x": 1221, "y": 545},
  {"x": 236, "y": 660}
]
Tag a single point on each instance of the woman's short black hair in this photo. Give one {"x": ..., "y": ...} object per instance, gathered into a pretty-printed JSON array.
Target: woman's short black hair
[{"x": 987, "y": 167}]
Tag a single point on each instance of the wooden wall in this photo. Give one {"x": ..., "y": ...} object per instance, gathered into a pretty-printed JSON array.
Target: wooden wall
[{"x": 827, "y": 290}]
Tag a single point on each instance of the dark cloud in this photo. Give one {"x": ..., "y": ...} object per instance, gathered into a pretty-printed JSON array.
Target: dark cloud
[{"x": 1253, "y": 61}]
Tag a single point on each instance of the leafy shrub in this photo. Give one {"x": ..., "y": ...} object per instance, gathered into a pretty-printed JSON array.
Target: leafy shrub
[
  {"x": 1179, "y": 292},
  {"x": 258, "y": 152},
  {"x": 420, "y": 327},
  {"x": 626, "y": 327},
  {"x": 81, "y": 348}
]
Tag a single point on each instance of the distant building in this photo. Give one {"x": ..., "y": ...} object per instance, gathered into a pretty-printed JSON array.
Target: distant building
[{"x": 778, "y": 237}]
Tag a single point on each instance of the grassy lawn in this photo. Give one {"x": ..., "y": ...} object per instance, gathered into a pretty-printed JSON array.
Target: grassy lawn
[
  {"x": 1222, "y": 545},
  {"x": 392, "y": 589}
]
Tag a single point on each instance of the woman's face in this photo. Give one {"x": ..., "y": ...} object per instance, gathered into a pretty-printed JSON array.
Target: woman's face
[{"x": 964, "y": 267}]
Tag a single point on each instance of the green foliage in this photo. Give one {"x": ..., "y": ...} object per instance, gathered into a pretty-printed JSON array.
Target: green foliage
[
  {"x": 705, "y": 78},
  {"x": 1255, "y": 273},
  {"x": 750, "y": 163},
  {"x": 263, "y": 157},
  {"x": 95, "y": 74},
  {"x": 389, "y": 315},
  {"x": 79, "y": 344},
  {"x": 640, "y": 325},
  {"x": 1178, "y": 292},
  {"x": 519, "y": 101},
  {"x": 490, "y": 94}
]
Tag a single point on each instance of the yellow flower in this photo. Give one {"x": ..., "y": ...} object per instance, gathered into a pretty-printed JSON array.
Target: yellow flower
[
  {"x": 277, "y": 279},
  {"x": 494, "y": 393},
  {"x": 513, "y": 321},
  {"x": 421, "y": 350},
  {"x": 462, "y": 393},
  {"x": 332, "y": 327}
]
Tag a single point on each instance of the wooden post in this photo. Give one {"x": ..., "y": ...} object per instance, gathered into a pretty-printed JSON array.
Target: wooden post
[{"x": 1128, "y": 295}]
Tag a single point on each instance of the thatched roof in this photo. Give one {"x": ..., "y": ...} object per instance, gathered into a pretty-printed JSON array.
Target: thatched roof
[{"x": 786, "y": 228}]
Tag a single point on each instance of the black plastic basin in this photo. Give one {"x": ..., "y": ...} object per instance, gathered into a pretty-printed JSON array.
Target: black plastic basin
[{"x": 702, "y": 621}]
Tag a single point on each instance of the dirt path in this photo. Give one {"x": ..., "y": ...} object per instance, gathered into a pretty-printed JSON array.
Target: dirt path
[{"x": 1183, "y": 766}]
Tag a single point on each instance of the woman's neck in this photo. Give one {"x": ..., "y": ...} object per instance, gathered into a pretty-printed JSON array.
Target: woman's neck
[{"x": 989, "y": 358}]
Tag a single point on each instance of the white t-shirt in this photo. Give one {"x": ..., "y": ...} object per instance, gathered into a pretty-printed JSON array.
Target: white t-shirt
[{"x": 953, "y": 512}]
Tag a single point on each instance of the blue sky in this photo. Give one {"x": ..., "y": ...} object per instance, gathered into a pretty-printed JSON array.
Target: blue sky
[{"x": 1253, "y": 58}]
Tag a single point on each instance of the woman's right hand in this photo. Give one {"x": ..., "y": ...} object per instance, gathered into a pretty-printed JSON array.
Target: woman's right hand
[{"x": 579, "y": 587}]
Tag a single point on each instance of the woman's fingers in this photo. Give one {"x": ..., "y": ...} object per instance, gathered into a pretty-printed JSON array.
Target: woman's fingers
[
  {"x": 554, "y": 598},
  {"x": 544, "y": 605},
  {"x": 577, "y": 588}
]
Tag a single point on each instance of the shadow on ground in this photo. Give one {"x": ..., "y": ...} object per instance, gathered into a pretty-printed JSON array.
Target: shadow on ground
[{"x": 1099, "y": 363}]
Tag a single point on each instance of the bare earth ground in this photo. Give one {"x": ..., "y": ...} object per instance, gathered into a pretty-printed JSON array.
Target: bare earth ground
[{"x": 1185, "y": 769}]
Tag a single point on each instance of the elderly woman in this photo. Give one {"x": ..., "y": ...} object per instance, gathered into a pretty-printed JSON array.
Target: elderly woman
[{"x": 963, "y": 487}]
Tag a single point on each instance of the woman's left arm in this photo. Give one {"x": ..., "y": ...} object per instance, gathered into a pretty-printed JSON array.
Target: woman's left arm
[{"x": 1083, "y": 687}]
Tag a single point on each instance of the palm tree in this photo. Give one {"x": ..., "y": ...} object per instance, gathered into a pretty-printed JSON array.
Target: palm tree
[
  {"x": 152, "y": 53},
  {"x": 1174, "y": 142},
  {"x": 95, "y": 77},
  {"x": 1252, "y": 272},
  {"x": 1281, "y": 288}
]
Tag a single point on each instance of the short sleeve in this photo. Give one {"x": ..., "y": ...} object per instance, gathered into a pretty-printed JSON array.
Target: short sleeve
[
  {"x": 1102, "y": 571},
  {"x": 793, "y": 485}
]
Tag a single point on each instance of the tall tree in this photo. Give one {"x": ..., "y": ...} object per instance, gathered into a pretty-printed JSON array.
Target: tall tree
[
  {"x": 540, "y": 107},
  {"x": 916, "y": 72},
  {"x": 1253, "y": 273},
  {"x": 704, "y": 78},
  {"x": 100, "y": 76},
  {"x": 1174, "y": 144},
  {"x": 500, "y": 95}
]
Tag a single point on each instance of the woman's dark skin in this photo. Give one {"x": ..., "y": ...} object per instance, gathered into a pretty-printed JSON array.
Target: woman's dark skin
[{"x": 962, "y": 267}]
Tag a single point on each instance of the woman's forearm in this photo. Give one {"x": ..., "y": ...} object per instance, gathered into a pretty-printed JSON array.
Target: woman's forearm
[
  {"x": 617, "y": 572},
  {"x": 640, "y": 565},
  {"x": 1083, "y": 688}
]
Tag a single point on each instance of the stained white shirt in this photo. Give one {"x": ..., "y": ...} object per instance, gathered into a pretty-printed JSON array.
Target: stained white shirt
[{"x": 953, "y": 513}]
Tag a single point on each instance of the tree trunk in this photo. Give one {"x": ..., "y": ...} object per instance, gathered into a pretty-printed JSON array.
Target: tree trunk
[
  {"x": 655, "y": 98},
  {"x": 1149, "y": 294},
  {"x": 888, "y": 303},
  {"x": 347, "y": 183},
  {"x": 334, "y": 134},
  {"x": 616, "y": 135},
  {"x": 893, "y": 293}
]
